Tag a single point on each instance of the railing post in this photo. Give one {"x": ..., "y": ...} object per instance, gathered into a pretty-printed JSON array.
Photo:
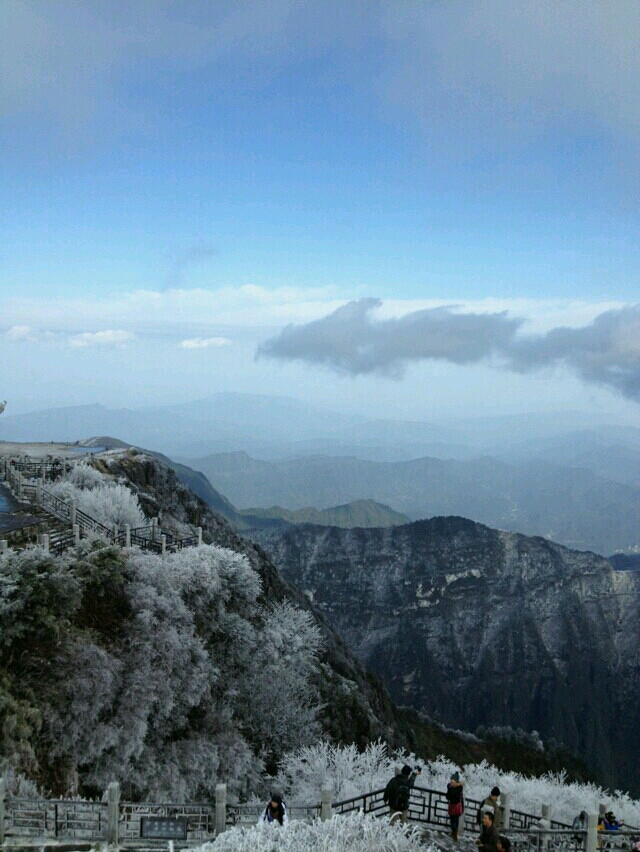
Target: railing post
[
  {"x": 505, "y": 800},
  {"x": 163, "y": 544},
  {"x": 39, "y": 492},
  {"x": 325, "y": 803},
  {"x": 546, "y": 812},
  {"x": 76, "y": 533},
  {"x": 127, "y": 535},
  {"x": 113, "y": 803},
  {"x": 45, "y": 542},
  {"x": 221, "y": 808},
  {"x": 3, "y": 545},
  {"x": 592, "y": 833},
  {"x": 43, "y": 470},
  {"x": 3, "y": 808},
  {"x": 199, "y": 531},
  {"x": 72, "y": 511},
  {"x": 154, "y": 528}
]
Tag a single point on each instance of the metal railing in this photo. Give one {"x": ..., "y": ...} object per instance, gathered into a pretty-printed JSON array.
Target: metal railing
[
  {"x": 149, "y": 537},
  {"x": 89, "y": 524}
]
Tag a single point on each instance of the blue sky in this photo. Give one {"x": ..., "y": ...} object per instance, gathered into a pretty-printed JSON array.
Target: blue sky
[{"x": 190, "y": 186}]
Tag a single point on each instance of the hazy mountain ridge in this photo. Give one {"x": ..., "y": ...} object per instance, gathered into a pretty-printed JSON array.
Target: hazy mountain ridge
[
  {"x": 475, "y": 626},
  {"x": 226, "y": 422},
  {"x": 359, "y": 513},
  {"x": 569, "y": 505}
]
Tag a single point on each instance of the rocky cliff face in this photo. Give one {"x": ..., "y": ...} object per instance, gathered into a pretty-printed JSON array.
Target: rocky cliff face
[{"x": 475, "y": 626}]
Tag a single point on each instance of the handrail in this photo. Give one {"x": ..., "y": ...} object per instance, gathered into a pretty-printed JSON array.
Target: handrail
[
  {"x": 85, "y": 521},
  {"x": 149, "y": 537},
  {"x": 427, "y": 805}
]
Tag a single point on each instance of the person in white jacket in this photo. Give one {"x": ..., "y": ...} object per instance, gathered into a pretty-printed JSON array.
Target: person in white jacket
[{"x": 275, "y": 811}]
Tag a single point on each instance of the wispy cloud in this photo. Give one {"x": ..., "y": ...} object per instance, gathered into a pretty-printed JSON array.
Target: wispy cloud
[
  {"x": 108, "y": 338},
  {"x": 352, "y": 341},
  {"x": 204, "y": 342},
  {"x": 190, "y": 313},
  {"x": 21, "y": 333}
]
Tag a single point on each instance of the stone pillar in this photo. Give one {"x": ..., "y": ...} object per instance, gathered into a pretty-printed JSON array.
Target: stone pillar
[
  {"x": 325, "y": 803},
  {"x": 3, "y": 545},
  {"x": 199, "y": 531},
  {"x": 113, "y": 808},
  {"x": 76, "y": 533},
  {"x": 505, "y": 801},
  {"x": 72, "y": 512},
  {"x": 163, "y": 544},
  {"x": 154, "y": 528},
  {"x": 546, "y": 812},
  {"x": 127, "y": 535},
  {"x": 592, "y": 833},
  {"x": 3, "y": 799},
  {"x": 221, "y": 808},
  {"x": 45, "y": 542}
]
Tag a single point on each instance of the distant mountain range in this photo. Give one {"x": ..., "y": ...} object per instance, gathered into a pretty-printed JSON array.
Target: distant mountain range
[
  {"x": 272, "y": 427},
  {"x": 569, "y": 505},
  {"x": 543, "y": 474}
]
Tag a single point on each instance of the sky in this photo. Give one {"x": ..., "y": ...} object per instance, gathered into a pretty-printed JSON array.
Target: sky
[{"x": 404, "y": 209}]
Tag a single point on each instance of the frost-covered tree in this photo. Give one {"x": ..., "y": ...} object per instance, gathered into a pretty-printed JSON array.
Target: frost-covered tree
[
  {"x": 347, "y": 771},
  {"x": 122, "y": 664},
  {"x": 95, "y": 494},
  {"x": 279, "y": 704},
  {"x": 153, "y": 705}
]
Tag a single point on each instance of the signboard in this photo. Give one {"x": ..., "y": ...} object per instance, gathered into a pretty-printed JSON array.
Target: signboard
[{"x": 163, "y": 828}]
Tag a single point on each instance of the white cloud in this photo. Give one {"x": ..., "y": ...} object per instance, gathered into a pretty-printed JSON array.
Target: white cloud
[
  {"x": 204, "y": 342},
  {"x": 108, "y": 338},
  {"x": 20, "y": 333}
]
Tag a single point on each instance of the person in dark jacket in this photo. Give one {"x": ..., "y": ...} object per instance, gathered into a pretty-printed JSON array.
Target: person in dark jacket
[
  {"x": 504, "y": 844},
  {"x": 397, "y": 793},
  {"x": 455, "y": 806},
  {"x": 488, "y": 840}
]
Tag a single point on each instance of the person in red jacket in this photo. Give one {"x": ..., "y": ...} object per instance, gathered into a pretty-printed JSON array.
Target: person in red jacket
[{"x": 455, "y": 803}]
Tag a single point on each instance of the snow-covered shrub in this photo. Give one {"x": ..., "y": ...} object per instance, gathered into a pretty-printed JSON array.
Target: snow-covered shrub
[
  {"x": 106, "y": 502},
  {"x": 352, "y": 833},
  {"x": 346, "y": 771},
  {"x": 85, "y": 477}
]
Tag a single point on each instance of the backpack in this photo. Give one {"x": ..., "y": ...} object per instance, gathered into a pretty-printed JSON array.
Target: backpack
[
  {"x": 402, "y": 797},
  {"x": 396, "y": 794}
]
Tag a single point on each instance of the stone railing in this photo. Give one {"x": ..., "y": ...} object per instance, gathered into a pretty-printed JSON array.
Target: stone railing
[{"x": 116, "y": 821}]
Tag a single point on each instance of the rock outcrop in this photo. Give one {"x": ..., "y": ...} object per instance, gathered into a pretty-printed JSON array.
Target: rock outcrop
[{"x": 475, "y": 626}]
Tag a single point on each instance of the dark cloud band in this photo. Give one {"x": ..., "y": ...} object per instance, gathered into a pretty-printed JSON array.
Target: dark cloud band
[{"x": 350, "y": 341}]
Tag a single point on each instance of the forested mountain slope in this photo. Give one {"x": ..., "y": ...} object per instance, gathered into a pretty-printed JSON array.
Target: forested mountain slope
[{"x": 172, "y": 673}]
